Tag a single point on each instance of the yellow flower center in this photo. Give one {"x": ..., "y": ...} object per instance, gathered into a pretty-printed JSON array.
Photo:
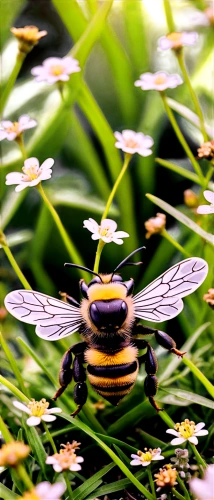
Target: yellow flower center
[
  {"x": 104, "y": 231},
  {"x": 186, "y": 429},
  {"x": 38, "y": 408},
  {"x": 13, "y": 128},
  {"x": 131, "y": 143},
  {"x": 32, "y": 172},
  {"x": 56, "y": 69},
  {"x": 160, "y": 79},
  {"x": 145, "y": 457},
  {"x": 176, "y": 38},
  {"x": 30, "y": 495}
]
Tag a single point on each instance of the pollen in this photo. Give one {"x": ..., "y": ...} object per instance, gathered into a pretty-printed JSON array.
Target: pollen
[
  {"x": 38, "y": 408},
  {"x": 32, "y": 172},
  {"x": 13, "y": 128},
  {"x": 166, "y": 476},
  {"x": 186, "y": 428},
  {"x": 160, "y": 79},
  {"x": 56, "y": 69},
  {"x": 145, "y": 457}
]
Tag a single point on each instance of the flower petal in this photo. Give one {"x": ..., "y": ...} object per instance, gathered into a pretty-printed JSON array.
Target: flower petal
[
  {"x": 109, "y": 224},
  {"x": 79, "y": 460},
  {"x": 47, "y": 164},
  {"x": 48, "y": 418},
  {"x": 193, "y": 440},
  {"x": 197, "y": 487},
  {"x": 203, "y": 432},
  {"x": 209, "y": 196},
  {"x": 32, "y": 421},
  {"x": 22, "y": 186},
  {"x": 75, "y": 467},
  {"x": 54, "y": 410},
  {"x": 56, "y": 491},
  {"x": 135, "y": 462},
  {"x": 199, "y": 426},
  {"x": 176, "y": 441},
  {"x": 205, "y": 209},
  {"x": 57, "y": 467},
  {"x": 21, "y": 407},
  {"x": 173, "y": 432},
  {"x": 51, "y": 460},
  {"x": 14, "y": 178}
]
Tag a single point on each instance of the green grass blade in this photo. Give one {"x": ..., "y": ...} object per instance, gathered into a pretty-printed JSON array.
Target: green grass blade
[
  {"x": 85, "y": 489},
  {"x": 113, "y": 456},
  {"x": 188, "y": 114},
  {"x": 181, "y": 218},
  {"x": 189, "y": 396},
  {"x": 207, "y": 384},
  {"x": 13, "y": 365},
  {"x": 192, "y": 176},
  {"x": 8, "y": 494},
  {"x": 36, "y": 445}
]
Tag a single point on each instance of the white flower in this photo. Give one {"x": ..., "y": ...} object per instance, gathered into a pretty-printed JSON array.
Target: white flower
[
  {"x": 177, "y": 40},
  {"x": 45, "y": 491},
  {"x": 146, "y": 457},
  {"x": 56, "y": 69},
  {"x": 158, "y": 81},
  {"x": 33, "y": 174},
  {"x": 65, "y": 461},
  {"x": 134, "y": 142},
  {"x": 187, "y": 431},
  {"x": 11, "y": 130},
  {"x": 202, "y": 18},
  {"x": 207, "y": 209},
  {"x": 106, "y": 231},
  {"x": 203, "y": 489},
  {"x": 38, "y": 410}
]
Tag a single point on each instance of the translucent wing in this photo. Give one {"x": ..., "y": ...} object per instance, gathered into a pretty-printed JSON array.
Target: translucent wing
[
  {"x": 161, "y": 300},
  {"x": 53, "y": 318}
]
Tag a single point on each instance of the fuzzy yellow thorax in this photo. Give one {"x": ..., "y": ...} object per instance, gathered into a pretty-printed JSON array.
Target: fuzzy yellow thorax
[{"x": 106, "y": 292}]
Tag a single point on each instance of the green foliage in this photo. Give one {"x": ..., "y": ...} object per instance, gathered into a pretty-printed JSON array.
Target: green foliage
[{"x": 114, "y": 41}]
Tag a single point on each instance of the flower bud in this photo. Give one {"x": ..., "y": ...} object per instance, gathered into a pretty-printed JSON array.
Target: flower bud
[
  {"x": 155, "y": 225},
  {"x": 27, "y": 37}
]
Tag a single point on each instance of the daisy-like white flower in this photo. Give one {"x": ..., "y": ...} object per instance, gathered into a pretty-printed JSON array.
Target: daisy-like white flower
[
  {"x": 134, "y": 142},
  {"x": 146, "y": 457},
  {"x": 106, "y": 231},
  {"x": 207, "y": 209},
  {"x": 187, "y": 431},
  {"x": 45, "y": 491},
  {"x": 161, "y": 80},
  {"x": 203, "y": 489},
  {"x": 38, "y": 411},
  {"x": 32, "y": 175},
  {"x": 55, "y": 69},
  {"x": 177, "y": 40},
  {"x": 11, "y": 130},
  {"x": 66, "y": 459}
]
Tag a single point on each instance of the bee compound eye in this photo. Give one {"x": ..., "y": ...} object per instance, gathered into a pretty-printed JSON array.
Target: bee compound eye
[
  {"x": 95, "y": 314},
  {"x": 123, "y": 312}
]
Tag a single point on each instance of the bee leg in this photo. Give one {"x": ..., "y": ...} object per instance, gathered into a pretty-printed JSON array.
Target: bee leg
[
  {"x": 167, "y": 342},
  {"x": 65, "y": 374},
  {"x": 151, "y": 381},
  {"x": 67, "y": 298},
  {"x": 80, "y": 389}
]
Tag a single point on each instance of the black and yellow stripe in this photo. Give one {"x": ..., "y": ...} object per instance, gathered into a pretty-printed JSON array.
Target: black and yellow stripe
[{"x": 115, "y": 374}]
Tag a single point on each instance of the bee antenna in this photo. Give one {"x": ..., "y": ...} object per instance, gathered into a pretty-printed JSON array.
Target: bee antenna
[
  {"x": 126, "y": 262},
  {"x": 68, "y": 264}
]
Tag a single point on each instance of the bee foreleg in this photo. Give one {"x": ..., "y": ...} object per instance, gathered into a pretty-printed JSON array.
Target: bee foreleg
[
  {"x": 65, "y": 374},
  {"x": 151, "y": 381},
  {"x": 80, "y": 389}
]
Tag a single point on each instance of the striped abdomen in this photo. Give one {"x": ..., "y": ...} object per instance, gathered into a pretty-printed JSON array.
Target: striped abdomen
[{"x": 112, "y": 375}]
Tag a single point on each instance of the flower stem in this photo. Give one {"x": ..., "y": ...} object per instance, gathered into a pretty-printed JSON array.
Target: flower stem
[
  {"x": 177, "y": 495},
  {"x": 13, "y": 262},
  {"x": 50, "y": 439},
  {"x": 22, "y": 473},
  {"x": 20, "y": 142},
  {"x": 116, "y": 184},
  {"x": 180, "y": 57},
  {"x": 182, "y": 485},
  {"x": 68, "y": 484},
  {"x": 100, "y": 247},
  {"x": 169, "y": 16},
  {"x": 198, "y": 456},
  {"x": 151, "y": 482},
  {"x": 174, "y": 243},
  {"x": 72, "y": 251},
  {"x": 12, "y": 79},
  {"x": 101, "y": 243},
  {"x": 13, "y": 363},
  {"x": 181, "y": 138},
  {"x": 19, "y": 468}
]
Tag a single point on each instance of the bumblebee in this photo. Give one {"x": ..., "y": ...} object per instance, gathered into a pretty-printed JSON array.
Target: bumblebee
[{"x": 108, "y": 320}]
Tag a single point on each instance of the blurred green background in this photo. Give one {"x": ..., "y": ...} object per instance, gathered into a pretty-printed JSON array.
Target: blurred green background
[{"x": 80, "y": 139}]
